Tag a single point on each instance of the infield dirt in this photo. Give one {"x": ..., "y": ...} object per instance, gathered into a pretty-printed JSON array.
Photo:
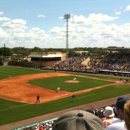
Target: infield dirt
[{"x": 17, "y": 89}]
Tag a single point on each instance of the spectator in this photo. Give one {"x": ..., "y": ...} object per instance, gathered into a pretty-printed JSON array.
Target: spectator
[
  {"x": 100, "y": 114},
  {"x": 109, "y": 114},
  {"x": 119, "y": 124},
  {"x": 78, "y": 120},
  {"x": 127, "y": 114},
  {"x": 41, "y": 127}
]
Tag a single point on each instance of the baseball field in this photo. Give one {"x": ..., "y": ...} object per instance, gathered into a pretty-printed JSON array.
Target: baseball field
[{"x": 20, "y": 86}]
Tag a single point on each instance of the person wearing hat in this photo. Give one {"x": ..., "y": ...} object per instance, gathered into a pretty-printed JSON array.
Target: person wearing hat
[
  {"x": 109, "y": 114},
  {"x": 78, "y": 120},
  {"x": 119, "y": 124}
]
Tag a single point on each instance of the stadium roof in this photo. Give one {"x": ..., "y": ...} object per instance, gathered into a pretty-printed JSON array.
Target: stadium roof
[
  {"x": 46, "y": 56},
  {"x": 121, "y": 49}
]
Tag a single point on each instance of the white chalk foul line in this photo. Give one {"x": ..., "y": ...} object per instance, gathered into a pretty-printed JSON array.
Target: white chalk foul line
[
  {"x": 14, "y": 107},
  {"x": 86, "y": 96}
]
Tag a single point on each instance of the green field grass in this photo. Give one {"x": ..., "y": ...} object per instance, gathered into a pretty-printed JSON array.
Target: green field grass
[
  {"x": 14, "y": 111},
  {"x": 14, "y": 71},
  {"x": 54, "y": 82}
]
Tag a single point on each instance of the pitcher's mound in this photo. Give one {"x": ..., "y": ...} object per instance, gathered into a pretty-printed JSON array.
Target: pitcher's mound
[{"x": 72, "y": 81}]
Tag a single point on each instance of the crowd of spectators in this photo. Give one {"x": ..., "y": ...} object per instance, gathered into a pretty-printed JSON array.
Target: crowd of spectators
[
  {"x": 73, "y": 64},
  {"x": 115, "y": 61},
  {"x": 112, "y": 62},
  {"x": 74, "y": 60},
  {"x": 43, "y": 125}
]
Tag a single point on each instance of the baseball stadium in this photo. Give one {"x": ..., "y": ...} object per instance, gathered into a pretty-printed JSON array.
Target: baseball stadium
[
  {"x": 64, "y": 65},
  {"x": 94, "y": 84}
]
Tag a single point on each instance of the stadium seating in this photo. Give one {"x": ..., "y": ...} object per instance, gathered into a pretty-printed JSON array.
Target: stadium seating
[{"x": 47, "y": 124}]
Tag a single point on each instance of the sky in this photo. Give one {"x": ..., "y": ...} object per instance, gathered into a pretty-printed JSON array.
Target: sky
[{"x": 41, "y": 23}]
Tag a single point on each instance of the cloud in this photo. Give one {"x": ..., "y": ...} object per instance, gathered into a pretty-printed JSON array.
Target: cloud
[
  {"x": 1, "y": 13},
  {"x": 91, "y": 31},
  {"x": 14, "y": 24},
  {"x": 61, "y": 17},
  {"x": 3, "y": 33},
  {"x": 57, "y": 30},
  {"x": 118, "y": 13},
  {"x": 127, "y": 8},
  {"x": 92, "y": 19},
  {"x": 101, "y": 17},
  {"x": 4, "y": 19},
  {"x": 41, "y": 16}
]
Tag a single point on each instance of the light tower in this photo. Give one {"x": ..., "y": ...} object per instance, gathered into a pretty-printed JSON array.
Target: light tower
[{"x": 67, "y": 17}]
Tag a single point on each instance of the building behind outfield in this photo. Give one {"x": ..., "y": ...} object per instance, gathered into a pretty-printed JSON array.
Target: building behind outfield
[
  {"x": 47, "y": 58},
  {"x": 41, "y": 59}
]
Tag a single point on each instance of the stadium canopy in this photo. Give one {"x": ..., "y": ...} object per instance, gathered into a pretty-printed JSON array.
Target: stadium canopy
[
  {"x": 45, "y": 56},
  {"x": 118, "y": 49}
]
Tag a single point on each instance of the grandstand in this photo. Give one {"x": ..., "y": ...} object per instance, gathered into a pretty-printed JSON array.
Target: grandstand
[{"x": 117, "y": 62}]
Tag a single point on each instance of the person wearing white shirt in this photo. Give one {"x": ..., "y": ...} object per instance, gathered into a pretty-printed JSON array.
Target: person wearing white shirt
[
  {"x": 119, "y": 124},
  {"x": 110, "y": 116},
  {"x": 58, "y": 89}
]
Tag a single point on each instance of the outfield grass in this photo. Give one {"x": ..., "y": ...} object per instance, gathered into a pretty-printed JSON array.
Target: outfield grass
[
  {"x": 14, "y": 111},
  {"x": 5, "y": 71},
  {"x": 54, "y": 82}
]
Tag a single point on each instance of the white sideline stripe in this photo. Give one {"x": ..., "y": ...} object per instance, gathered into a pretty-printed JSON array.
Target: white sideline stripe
[
  {"x": 14, "y": 107},
  {"x": 33, "y": 102},
  {"x": 86, "y": 96}
]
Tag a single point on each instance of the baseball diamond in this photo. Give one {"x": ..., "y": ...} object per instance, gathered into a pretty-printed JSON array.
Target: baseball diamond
[{"x": 28, "y": 92}]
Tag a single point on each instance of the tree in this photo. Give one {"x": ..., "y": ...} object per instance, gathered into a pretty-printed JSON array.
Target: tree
[
  {"x": 36, "y": 49},
  {"x": 72, "y": 53},
  {"x": 21, "y": 51},
  {"x": 4, "y": 51}
]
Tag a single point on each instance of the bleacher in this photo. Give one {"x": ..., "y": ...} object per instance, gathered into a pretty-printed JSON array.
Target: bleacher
[{"x": 47, "y": 124}]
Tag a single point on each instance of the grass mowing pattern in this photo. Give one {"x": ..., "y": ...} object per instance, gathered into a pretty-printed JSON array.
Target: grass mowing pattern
[
  {"x": 105, "y": 77},
  {"x": 13, "y": 111},
  {"x": 54, "y": 82},
  {"x": 5, "y": 71}
]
